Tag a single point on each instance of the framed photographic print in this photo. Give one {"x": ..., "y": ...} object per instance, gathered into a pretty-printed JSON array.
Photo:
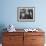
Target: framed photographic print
[{"x": 26, "y": 14}]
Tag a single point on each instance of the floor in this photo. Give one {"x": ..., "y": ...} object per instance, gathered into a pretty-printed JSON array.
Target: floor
[{"x": 0, "y": 44}]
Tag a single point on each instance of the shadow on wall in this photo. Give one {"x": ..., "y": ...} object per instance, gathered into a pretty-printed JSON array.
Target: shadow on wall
[{"x": 2, "y": 26}]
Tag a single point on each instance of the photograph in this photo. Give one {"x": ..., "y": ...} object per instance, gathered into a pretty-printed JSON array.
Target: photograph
[{"x": 25, "y": 14}]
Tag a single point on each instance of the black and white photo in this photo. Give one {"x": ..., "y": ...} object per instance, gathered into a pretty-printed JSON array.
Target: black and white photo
[{"x": 25, "y": 14}]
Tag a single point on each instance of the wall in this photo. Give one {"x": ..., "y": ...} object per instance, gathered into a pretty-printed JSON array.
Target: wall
[{"x": 8, "y": 13}]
